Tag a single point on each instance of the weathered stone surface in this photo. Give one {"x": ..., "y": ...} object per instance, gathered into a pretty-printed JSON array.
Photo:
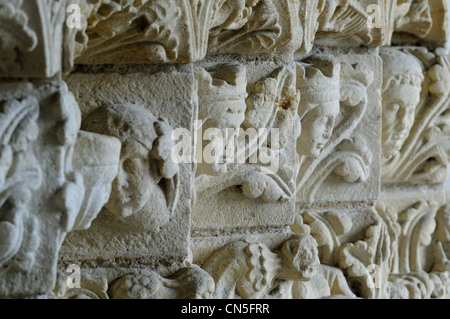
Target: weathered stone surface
[
  {"x": 224, "y": 149},
  {"x": 146, "y": 220}
]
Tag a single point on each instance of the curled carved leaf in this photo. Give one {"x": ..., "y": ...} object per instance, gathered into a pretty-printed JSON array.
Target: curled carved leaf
[
  {"x": 356, "y": 165},
  {"x": 259, "y": 26},
  {"x": 15, "y": 35},
  {"x": 440, "y": 74}
]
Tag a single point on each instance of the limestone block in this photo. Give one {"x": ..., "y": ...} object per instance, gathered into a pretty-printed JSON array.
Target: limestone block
[
  {"x": 415, "y": 104},
  {"x": 252, "y": 175},
  {"x": 340, "y": 113},
  {"x": 146, "y": 219}
]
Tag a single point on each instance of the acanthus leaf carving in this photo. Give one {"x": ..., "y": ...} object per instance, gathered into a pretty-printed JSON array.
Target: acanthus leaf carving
[
  {"x": 418, "y": 231},
  {"x": 143, "y": 27},
  {"x": 253, "y": 23}
]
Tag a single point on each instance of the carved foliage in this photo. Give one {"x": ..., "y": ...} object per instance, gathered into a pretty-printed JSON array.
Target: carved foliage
[
  {"x": 248, "y": 24},
  {"x": 418, "y": 262}
]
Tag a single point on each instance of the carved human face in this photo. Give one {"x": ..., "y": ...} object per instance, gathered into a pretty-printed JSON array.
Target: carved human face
[
  {"x": 224, "y": 114},
  {"x": 317, "y": 127},
  {"x": 135, "y": 180},
  {"x": 300, "y": 258},
  {"x": 399, "y": 104}
]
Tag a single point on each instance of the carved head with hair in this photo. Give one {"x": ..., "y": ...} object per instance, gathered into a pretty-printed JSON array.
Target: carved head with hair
[
  {"x": 301, "y": 257},
  {"x": 318, "y": 81},
  {"x": 402, "y": 82},
  {"x": 144, "y": 158}
]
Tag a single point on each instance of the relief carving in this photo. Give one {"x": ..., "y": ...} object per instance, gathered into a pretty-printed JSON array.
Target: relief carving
[
  {"x": 44, "y": 194},
  {"x": 418, "y": 263},
  {"x": 20, "y": 174},
  {"x": 145, "y": 162},
  {"x": 333, "y": 101},
  {"x": 146, "y": 28},
  {"x": 252, "y": 271},
  {"x": 317, "y": 152},
  {"x": 222, "y": 105},
  {"x": 415, "y": 143},
  {"x": 251, "y": 24},
  {"x": 190, "y": 282},
  {"x": 344, "y": 244}
]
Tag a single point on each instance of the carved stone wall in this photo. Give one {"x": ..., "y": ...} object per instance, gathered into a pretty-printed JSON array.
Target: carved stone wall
[{"x": 224, "y": 149}]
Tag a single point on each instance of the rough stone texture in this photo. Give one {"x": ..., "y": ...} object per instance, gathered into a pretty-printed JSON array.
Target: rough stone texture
[{"x": 224, "y": 149}]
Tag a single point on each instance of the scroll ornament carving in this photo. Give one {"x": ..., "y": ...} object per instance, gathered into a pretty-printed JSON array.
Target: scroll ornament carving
[
  {"x": 330, "y": 89},
  {"x": 413, "y": 17},
  {"x": 415, "y": 139},
  {"x": 144, "y": 27},
  {"x": 165, "y": 31},
  {"x": 347, "y": 20}
]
